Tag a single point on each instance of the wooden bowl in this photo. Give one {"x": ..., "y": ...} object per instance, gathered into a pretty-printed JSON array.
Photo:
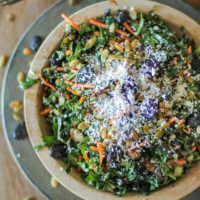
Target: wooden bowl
[{"x": 37, "y": 125}]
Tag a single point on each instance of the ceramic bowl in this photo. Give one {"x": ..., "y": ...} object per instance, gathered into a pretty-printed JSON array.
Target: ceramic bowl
[{"x": 37, "y": 125}]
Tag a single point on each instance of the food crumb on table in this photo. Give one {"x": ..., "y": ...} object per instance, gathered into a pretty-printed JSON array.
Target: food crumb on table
[
  {"x": 27, "y": 51},
  {"x": 54, "y": 182},
  {"x": 3, "y": 60},
  {"x": 10, "y": 17}
]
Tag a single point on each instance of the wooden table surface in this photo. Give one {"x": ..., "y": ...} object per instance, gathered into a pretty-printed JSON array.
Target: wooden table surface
[{"x": 13, "y": 185}]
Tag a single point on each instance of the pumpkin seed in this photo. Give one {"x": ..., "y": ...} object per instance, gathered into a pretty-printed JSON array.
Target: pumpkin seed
[
  {"x": 146, "y": 128},
  {"x": 17, "y": 117},
  {"x": 99, "y": 117},
  {"x": 178, "y": 171},
  {"x": 134, "y": 44},
  {"x": 104, "y": 54},
  {"x": 135, "y": 136},
  {"x": 112, "y": 28},
  {"x": 127, "y": 46},
  {"x": 90, "y": 43},
  {"x": 82, "y": 126},
  {"x": 159, "y": 134},
  {"x": 104, "y": 133},
  {"x": 74, "y": 62}
]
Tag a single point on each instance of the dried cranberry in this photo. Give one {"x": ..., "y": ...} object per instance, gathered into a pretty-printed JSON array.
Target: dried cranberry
[
  {"x": 149, "y": 109},
  {"x": 58, "y": 151},
  {"x": 35, "y": 43},
  {"x": 129, "y": 89},
  {"x": 123, "y": 16}
]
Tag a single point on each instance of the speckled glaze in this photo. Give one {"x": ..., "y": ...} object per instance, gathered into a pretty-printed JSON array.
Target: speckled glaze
[{"x": 37, "y": 126}]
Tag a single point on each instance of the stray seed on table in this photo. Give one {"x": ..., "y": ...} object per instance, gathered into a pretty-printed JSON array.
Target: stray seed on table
[
  {"x": 10, "y": 17},
  {"x": 54, "y": 182},
  {"x": 29, "y": 198},
  {"x": 72, "y": 2},
  {"x": 16, "y": 106},
  {"x": 27, "y": 51},
  {"x": 3, "y": 60},
  {"x": 17, "y": 117},
  {"x": 20, "y": 76}
]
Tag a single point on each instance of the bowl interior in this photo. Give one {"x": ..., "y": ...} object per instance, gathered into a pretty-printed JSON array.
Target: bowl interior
[{"x": 37, "y": 125}]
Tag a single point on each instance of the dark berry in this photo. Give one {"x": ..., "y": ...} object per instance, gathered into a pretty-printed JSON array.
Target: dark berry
[
  {"x": 149, "y": 109},
  {"x": 115, "y": 155},
  {"x": 54, "y": 60},
  {"x": 150, "y": 67},
  {"x": 107, "y": 12},
  {"x": 193, "y": 120},
  {"x": 196, "y": 65},
  {"x": 58, "y": 151},
  {"x": 129, "y": 89},
  {"x": 123, "y": 16},
  {"x": 85, "y": 75},
  {"x": 20, "y": 131},
  {"x": 35, "y": 43}
]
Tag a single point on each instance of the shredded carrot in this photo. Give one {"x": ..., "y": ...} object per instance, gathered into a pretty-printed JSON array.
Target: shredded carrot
[
  {"x": 180, "y": 162},
  {"x": 45, "y": 111},
  {"x": 70, "y": 21},
  {"x": 82, "y": 99},
  {"x": 118, "y": 47},
  {"x": 101, "y": 153},
  {"x": 93, "y": 148},
  {"x": 75, "y": 92},
  {"x": 189, "y": 50},
  {"x": 60, "y": 69},
  {"x": 97, "y": 23},
  {"x": 171, "y": 120},
  {"x": 46, "y": 83},
  {"x": 126, "y": 25},
  {"x": 68, "y": 52},
  {"x": 67, "y": 96},
  {"x": 72, "y": 69},
  {"x": 194, "y": 148},
  {"x": 181, "y": 122},
  {"x": 96, "y": 33},
  {"x": 121, "y": 32}
]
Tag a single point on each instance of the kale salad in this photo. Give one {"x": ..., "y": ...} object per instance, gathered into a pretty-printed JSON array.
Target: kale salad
[{"x": 121, "y": 95}]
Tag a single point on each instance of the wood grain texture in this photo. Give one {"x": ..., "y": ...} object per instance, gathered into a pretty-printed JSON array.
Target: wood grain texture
[{"x": 13, "y": 185}]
